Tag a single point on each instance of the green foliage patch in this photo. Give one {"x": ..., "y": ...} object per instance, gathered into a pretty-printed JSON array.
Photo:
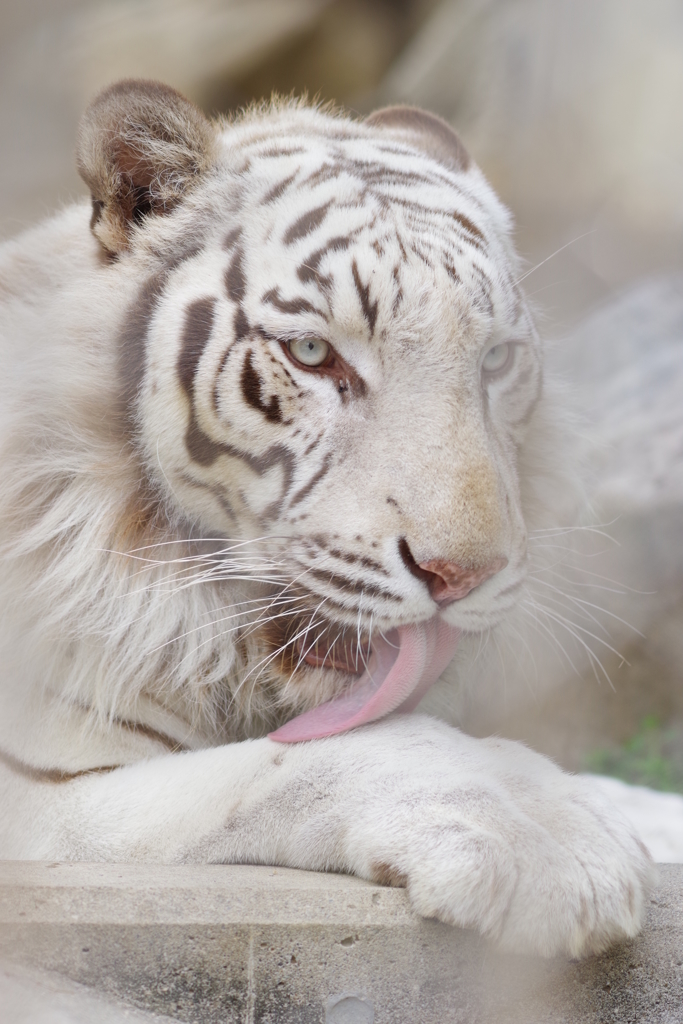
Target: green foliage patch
[{"x": 653, "y": 757}]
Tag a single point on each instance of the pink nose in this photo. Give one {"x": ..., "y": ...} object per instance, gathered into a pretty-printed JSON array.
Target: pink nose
[{"x": 448, "y": 582}]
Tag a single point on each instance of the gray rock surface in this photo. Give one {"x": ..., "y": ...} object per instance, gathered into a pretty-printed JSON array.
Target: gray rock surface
[
  {"x": 568, "y": 103},
  {"x": 262, "y": 945},
  {"x": 624, "y": 364}
]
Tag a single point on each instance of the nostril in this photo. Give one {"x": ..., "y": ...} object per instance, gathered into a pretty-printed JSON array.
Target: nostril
[
  {"x": 451, "y": 582},
  {"x": 447, "y": 581},
  {"x": 411, "y": 565}
]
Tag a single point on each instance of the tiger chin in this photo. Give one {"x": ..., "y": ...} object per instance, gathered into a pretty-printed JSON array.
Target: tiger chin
[{"x": 272, "y": 406}]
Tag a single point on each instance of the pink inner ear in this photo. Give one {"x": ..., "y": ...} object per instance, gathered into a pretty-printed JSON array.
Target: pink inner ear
[{"x": 402, "y": 668}]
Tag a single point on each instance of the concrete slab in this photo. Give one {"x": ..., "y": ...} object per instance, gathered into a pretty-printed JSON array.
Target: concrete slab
[
  {"x": 259, "y": 945},
  {"x": 39, "y": 997}
]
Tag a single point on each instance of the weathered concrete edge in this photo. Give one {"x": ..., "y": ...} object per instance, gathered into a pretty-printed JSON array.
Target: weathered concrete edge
[{"x": 258, "y": 944}]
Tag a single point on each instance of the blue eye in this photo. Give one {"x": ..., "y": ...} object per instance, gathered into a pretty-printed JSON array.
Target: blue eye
[
  {"x": 496, "y": 358},
  {"x": 309, "y": 351}
]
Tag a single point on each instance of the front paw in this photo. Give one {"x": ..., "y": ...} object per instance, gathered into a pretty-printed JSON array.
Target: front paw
[{"x": 486, "y": 834}]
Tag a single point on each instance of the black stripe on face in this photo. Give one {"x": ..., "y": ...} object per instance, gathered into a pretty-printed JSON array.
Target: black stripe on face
[
  {"x": 200, "y": 447},
  {"x": 451, "y": 271},
  {"x": 133, "y": 338},
  {"x": 304, "y": 491},
  {"x": 305, "y": 224},
  {"x": 276, "y": 152},
  {"x": 241, "y": 328},
  {"x": 252, "y": 389},
  {"x": 215, "y": 490},
  {"x": 398, "y": 295},
  {"x": 482, "y": 300},
  {"x": 308, "y": 271},
  {"x": 476, "y": 237},
  {"x": 277, "y": 190},
  {"x": 298, "y": 305},
  {"x": 369, "y": 308},
  {"x": 235, "y": 283},
  {"x": 132, "y": 343},
  {"x": 196, "y": 333},
  {"x": 314, "y": 444},
  {"x": 348, "y": 586},
  {"x": 232, "y": 238},
  {"x": 351, "y": 559},
  {"x": 241, "y": 325}
]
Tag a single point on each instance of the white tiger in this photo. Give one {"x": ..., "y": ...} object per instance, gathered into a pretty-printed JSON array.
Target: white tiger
[{"x": 268, "y": 443}]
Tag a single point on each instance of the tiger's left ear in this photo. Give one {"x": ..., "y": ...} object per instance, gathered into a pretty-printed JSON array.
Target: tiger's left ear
[
  {"x": 141, "y": 148},
  {"x": 425, "y": 131}
]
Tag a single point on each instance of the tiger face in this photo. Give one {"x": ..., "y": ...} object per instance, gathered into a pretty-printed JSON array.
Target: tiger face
[{"x": 329, "y": 362}]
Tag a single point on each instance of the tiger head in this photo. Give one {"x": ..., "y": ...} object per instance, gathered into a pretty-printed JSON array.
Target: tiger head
[{"x": 329, "y": 365}]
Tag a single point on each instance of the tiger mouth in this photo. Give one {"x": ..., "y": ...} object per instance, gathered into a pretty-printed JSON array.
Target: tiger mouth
[
  {"x": 298, "y": 644},
  {"x": 343, "y": 654},
  {"x": 402, "y": 666}
]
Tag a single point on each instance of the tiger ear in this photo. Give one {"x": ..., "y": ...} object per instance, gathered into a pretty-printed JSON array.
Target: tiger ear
[
  {"x": 425, "y": 131},
  {"x": 141, "y": 148}
]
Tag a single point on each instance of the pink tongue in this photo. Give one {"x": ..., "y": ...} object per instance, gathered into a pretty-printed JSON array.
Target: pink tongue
[{"x": 402, "y": 668}]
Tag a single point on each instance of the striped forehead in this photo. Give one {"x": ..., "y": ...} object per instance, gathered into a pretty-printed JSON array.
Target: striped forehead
[
  {"x": 296, "y": 188},
  {"x": 325, "y": 215}
]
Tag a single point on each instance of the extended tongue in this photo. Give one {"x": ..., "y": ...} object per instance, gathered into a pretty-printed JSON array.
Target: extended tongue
[{"x": 402, "y": 668}]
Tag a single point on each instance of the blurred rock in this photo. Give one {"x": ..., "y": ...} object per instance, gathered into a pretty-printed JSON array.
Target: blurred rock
[
  {"x": 342, "y": 57},
  {"x": 613, "y": 595},
  {"x": 570, "y": 102},
  {"x": 573, "y": 109},
  {"x": 55, "y": 58},
  {"x": 56, "y": 54},
  {"x": 626, "y": 365}
]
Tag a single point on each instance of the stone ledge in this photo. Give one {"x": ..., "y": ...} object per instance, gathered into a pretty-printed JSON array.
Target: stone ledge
[{"x": 260, "y": 945}]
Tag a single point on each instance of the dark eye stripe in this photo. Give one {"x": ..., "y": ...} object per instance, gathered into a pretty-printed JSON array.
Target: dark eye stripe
[{"x": 253, "y": 386}]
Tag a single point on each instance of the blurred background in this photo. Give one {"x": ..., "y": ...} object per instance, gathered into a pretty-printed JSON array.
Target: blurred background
[{"x": 574, "y": 110}]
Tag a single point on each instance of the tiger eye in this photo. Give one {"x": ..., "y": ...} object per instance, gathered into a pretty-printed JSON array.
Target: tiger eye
[
  {"x": 496, "y": 358},
  {"x": 309, "y": 351}
]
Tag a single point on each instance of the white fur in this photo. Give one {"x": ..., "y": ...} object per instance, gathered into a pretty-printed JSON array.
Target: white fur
[{"x": 137, "y": 579}]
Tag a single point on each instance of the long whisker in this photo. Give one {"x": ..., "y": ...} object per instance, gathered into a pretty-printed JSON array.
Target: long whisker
[
  {"x": 557, "y": 251},
  {"x": 280, "y": 650},
  {"x": 583, "y": 605},
  {"x": 302, "y": 654},
  {"x": 575, "y": 630},
  {"x": 233, "y": 629},
  {"x": 539, "y": 626},
  {"x": 227, "y": 618}
]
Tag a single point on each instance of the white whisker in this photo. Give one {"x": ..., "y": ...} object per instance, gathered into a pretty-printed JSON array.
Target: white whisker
[{"x": 553, "y": 254}]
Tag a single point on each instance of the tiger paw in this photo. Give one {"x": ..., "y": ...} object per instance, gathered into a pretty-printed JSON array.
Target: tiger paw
[{"x": 486, "y": 834}]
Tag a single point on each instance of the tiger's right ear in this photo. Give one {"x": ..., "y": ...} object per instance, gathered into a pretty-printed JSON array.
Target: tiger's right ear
[
  {"x": 141, "y": 148},
  {"x": 426, "y": 131}
]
